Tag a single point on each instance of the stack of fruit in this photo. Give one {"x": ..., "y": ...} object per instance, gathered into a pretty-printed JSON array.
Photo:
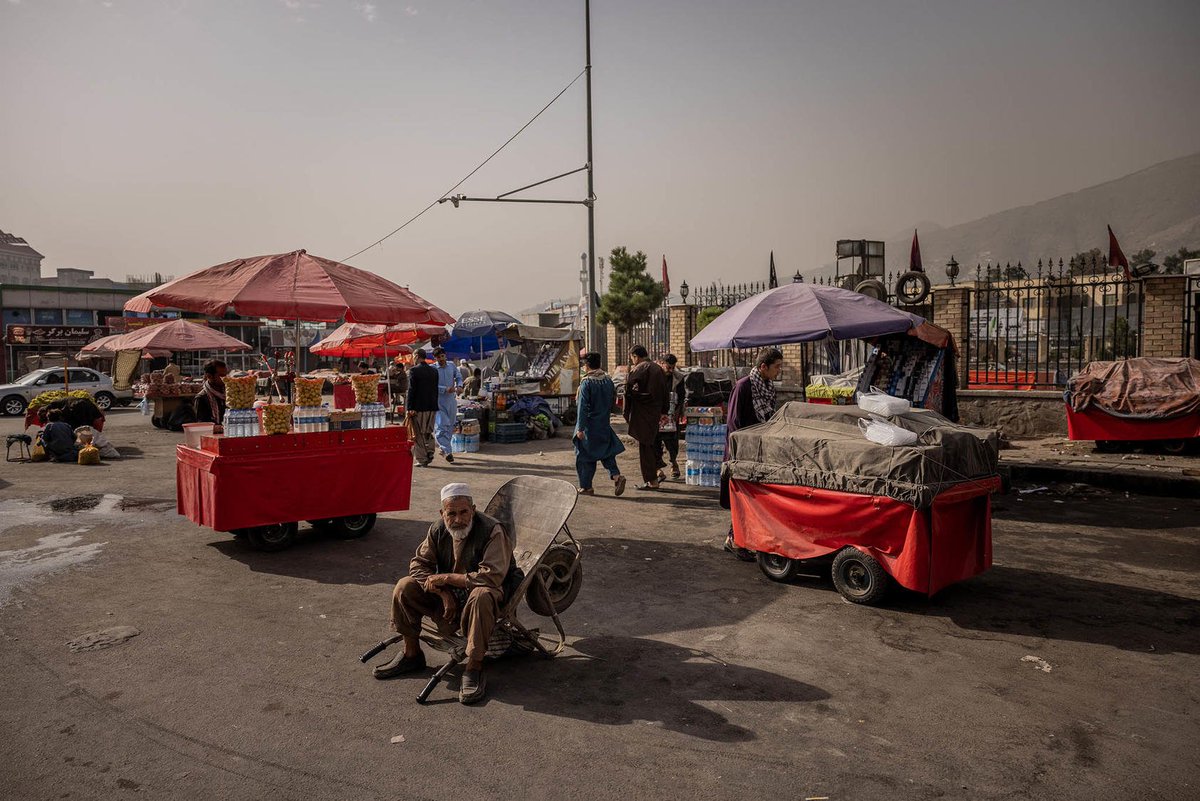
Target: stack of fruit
[
  {"x": 308, "y": 391},
  {"x": 277, "y": 418},
  {"x": 366, "y": 388},
  {"x": 239, "y": 392}
]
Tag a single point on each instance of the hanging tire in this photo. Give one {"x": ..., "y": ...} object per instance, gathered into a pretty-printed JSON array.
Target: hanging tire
[
  {"x": 912, "y": 288},
  {"x": 776, "y": 567},
  {"x": 563, "y": 563},
  {"x": 272, "y": 538},
  {"x": 872, "y": 288},
  {"x": 858, "y": 577},
  {"x": 352, "y": 526}
]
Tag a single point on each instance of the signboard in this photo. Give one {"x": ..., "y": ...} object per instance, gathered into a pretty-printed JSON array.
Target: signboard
[{"x": 65, "y": 336}]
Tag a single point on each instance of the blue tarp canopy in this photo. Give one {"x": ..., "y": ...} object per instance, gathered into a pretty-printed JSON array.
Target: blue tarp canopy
[
  {"x": 471, "y": 347},
  {"x": 480, "y": 323}
]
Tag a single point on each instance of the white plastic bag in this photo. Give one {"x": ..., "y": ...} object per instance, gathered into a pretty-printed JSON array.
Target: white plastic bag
[
  {"x": 144, "y": 406},
  {"x": 881, "y": 432},
  {"x": 879, "y": 402}
]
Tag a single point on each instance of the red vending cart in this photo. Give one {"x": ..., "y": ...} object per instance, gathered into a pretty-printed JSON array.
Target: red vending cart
[
  {"x": 1136, "y": 400},
  {"x": 263, "y": 487}
]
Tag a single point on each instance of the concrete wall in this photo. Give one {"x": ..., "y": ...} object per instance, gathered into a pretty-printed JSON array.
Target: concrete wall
[{"x": 1017, "y": 414}]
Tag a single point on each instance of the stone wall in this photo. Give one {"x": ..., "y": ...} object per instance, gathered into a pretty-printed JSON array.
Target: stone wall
[
  {"x": 1162, "y": 315},
  {"x": 1017, "y": 414}
]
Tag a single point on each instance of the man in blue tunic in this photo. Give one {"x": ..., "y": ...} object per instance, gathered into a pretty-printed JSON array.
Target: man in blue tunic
[
  {"x": 595, "y": 440},
  {"x": 449, "y": 383}
]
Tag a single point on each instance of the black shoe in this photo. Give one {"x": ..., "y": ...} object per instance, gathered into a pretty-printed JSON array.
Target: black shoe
[
  {"x": 745, "y": 554},
  {"x": 472, "y": 687},
  {"x": 450, "y": 458},
  {"x": 400, "y": 665}
]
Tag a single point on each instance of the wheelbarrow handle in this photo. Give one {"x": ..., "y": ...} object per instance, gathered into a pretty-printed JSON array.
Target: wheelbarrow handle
[
  {"x": 369, "y": 654},
  {"x": 437, "y": 677}
]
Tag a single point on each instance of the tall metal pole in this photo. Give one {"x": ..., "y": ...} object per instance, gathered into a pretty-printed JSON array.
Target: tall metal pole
[{"x": 592, "y": 328}]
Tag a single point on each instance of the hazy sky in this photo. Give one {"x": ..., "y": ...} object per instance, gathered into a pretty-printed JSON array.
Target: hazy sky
[{"x": 169, "y": 136}]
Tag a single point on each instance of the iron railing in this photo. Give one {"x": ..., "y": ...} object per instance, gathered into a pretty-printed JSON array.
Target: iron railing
[{"x": 721, "y": 296}]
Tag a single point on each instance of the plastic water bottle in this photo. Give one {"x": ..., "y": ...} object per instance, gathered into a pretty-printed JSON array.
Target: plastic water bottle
[{"x": 691, "y": 473}]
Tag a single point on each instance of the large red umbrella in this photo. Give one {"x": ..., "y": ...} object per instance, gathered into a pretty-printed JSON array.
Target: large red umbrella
[
  {"x": 363, "y": 340},
  {"x": 176, "y": 335},
  {"x": 292, "y": 286}
]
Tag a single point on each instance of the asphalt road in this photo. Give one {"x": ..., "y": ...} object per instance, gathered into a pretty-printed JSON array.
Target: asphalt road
[{"x": 1067, "y": 672}]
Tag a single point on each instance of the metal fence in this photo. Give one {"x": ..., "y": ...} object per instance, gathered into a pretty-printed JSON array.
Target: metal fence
[
  {"x": 1191, "y": 317},
  {"x": 1032, "y": 329},
  {"x": 654, "y": 334},
  {"x": 708, "y": 300}
]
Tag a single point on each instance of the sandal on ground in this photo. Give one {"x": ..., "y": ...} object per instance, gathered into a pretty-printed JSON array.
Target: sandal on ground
[
  {"x": 646, "y": 486},
  {"x": 674, "y": 471},
  {"x": 619, "y": 486},
  {"x": 745, "y": 554},
  {"x": 582, "y": 491}
]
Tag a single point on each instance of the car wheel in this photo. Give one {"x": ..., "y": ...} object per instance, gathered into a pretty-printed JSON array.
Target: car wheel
[
  {"x": 776, "y": 567},
  {"x": 104, "y": 401},
  {"x": 858, "y": 577},
  {"x": 14, "y": 405}
]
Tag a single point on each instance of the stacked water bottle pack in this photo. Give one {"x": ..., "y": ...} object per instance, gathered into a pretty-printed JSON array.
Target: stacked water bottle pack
[
  {"x": 241, "y": 423},
  {"x": 374, "y": 415},
  {"x": 310, "y": 419},
  {"x": 705, "y": 445},
  {"x": 465, "y": 438}
]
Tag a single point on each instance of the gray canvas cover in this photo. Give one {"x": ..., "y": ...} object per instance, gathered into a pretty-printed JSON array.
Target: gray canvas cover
[{"x": 822, "y": 446}]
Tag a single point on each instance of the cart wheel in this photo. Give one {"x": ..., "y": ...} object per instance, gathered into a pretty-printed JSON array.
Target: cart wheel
[
  {"x": 272, "y": 538},
  {"x": 352, "y": 526},
  {"x": 1175, "y": 447},
  {"x": 565, "y": 585},
  {"x": 1107, "y": 446},
  {"x": 858, "y": 577},
  {"x": 156, "y": 421},
  {"x": 776, "y": 567}
]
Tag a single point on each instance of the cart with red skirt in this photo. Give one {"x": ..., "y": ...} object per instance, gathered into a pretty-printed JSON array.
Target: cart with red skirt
[
  {"x": 807, "y": 487},
  {"x": 261, "y": 488},
  {"x": 1142, "y": 400}
]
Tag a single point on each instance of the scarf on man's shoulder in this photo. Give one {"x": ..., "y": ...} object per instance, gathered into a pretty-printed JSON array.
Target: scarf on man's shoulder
[
  {"x": 215, "y": 395},
  {"x": 762, "y": 392},
  {"x": 592, "y": 375}
]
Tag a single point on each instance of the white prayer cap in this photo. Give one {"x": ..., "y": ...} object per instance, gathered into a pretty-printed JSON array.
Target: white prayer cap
[{"x": 454, "y": 490}]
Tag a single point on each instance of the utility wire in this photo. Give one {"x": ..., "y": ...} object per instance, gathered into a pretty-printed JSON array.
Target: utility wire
[{"x": 472, "y": 172}]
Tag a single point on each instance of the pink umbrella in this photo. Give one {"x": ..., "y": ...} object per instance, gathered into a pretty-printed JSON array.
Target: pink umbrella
[
  {"x": 175, "y": 336},
  {"x": 292, "y": 286}
]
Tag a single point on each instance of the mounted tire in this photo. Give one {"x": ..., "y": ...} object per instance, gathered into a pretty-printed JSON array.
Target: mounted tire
[
  {"x": 563, "y": 588},
  {"x": 912, "y": 288},
  {"x": 352, "y": 526},
  {"x": 272, "y": 538},
  {"x": 776, "y": 567},
  {"x": 858, "y": 577},
  {"x": 104, "y": 400},
  {"x": 14, "y": 405},
  {"x": 872, "y": 288}
]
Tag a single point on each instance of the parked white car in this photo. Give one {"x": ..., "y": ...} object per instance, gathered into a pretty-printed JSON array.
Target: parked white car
[{"x": 15, "y": 397}]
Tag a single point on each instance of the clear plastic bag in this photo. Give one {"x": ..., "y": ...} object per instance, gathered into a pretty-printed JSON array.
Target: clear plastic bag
[
  {"x": 881, "y": 432},
  {"x": 879, "y": 402}
]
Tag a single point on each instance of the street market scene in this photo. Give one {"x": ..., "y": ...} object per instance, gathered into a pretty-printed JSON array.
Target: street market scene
[{"x": 812, "y": 508}]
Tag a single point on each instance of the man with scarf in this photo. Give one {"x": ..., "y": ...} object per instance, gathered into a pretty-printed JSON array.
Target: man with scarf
[
  {"x": 457, "y": 579},
  {"x": 595, "y": 440},
  {"x": 752, "y": 402},
  {"x": 646, "y": 398},
  {"x": 209, "y": 405},
  {"x": 449, "y": 383}
]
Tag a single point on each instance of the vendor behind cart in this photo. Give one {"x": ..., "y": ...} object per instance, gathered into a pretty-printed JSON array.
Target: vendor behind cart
[
  {"x": 209, "y": 405},
  {"x": 752, "y": 402}
]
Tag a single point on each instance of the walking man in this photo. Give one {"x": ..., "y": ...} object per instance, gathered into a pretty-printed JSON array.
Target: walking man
[
  {"x": 668, "y": 430},
  {"x": 449, "y": 385},
  {"x": 595, "y": 440},
  {"x": 646, "y": 399},
  {"x": 421, "y": 406}
]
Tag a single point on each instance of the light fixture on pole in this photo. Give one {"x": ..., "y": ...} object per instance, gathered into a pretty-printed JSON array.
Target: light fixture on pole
[
  {"x": 797, "y": 278},
  {"x": 952, "y": 270},
  {"x": 683, "y": 291}
]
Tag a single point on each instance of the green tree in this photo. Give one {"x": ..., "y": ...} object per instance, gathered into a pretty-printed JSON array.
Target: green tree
[
  {"x": 707, "y": 315},
  {"x": 1173, "y": 264},
  {"x": 632, "y": 294},
  {"x": 1142, "y": 258},
  {"x": 1120, "y": 341},
  {"x": 1089, "y": 262}
]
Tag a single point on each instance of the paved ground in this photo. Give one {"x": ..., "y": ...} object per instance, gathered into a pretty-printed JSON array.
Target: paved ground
[{"x": 1068, "y": 671}]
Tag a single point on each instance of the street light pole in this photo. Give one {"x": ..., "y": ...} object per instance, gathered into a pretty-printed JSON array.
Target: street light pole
[{"x": 592, "y": 333}]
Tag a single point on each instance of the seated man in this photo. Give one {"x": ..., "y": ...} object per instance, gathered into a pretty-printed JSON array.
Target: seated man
[
  {"x": 457, "y": 578},
  {"x": 58, "y": 438}
]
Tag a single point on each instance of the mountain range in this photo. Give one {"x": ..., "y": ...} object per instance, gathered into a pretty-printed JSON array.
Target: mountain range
[{"x": 1158, "y": 208}]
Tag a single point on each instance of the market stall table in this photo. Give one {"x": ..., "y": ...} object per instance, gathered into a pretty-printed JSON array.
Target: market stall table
[{"x": 261, "y": 487}]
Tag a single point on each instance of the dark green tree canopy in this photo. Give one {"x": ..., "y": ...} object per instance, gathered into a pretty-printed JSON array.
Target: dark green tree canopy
[{"x": 632, "y": 294}]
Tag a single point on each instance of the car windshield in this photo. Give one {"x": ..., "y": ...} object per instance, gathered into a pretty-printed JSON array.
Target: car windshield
[{"x": 29, "y": 378}]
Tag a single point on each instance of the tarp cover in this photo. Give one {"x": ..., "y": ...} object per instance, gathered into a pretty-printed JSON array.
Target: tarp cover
[
  {"x": 1144, "y": 388},
  {"x": 814, "y": 445},
  {"x": 537, "y": 333}
]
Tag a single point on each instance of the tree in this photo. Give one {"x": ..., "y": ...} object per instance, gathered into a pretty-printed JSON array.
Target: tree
[
  {"x": 1090, "y": 262},
  {"x": 707, "y": 315},
  {"x": 1014, "y": 272},
  {"x": 1173, "y": 264},
  {"x": 1143, "y": 258},
  {"x": 632, "y": 294}
]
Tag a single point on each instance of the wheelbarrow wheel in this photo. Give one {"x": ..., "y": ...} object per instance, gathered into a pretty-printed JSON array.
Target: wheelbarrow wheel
[
  {"x": 858, "y": 577},
  {"x": 562, "y": 562},
  {"x": 776, "y": 567},
  {"x": 352, "y": 526},
  {"x": 272, "y": 538}
]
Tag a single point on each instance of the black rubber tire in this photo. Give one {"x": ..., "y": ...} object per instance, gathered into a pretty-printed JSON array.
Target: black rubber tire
[
  {"x": 272, "y": 538},
  {"x": 352, "y": 527},
  {"x": 104, "y": 400},
  {"x": 559, "y": 558},
  {"x": 776, "y": 567},
  {"x": 858, "y": 577},
  {"x": 1107, "y": 446},
  {"x": 872, "y": 288},
  {"x": 156, "y": 421},
  {"x": 14, "y": 405},
  {"x": 1175, "y": 447},
  {"x": 912, "y": 288}
]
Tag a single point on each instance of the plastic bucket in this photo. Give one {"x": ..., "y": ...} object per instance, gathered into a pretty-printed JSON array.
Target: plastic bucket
[{"x": 192, "y": 432}]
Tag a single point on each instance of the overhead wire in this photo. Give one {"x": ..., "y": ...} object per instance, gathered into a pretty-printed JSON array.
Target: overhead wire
[{"x": 467, "y": 177}]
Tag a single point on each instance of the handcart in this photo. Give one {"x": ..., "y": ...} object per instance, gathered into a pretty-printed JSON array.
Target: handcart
[
  {"x": 534, "y": 510},
  {"x": 807, "y": 486},
  {"x": 260, "y": 488}
]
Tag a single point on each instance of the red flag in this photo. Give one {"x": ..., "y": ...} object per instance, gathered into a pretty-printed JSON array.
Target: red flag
[
  {"x": 666, "y": 282},
  {"x": 1116, "y": 257},
  {"x": 914, "y": 257}
]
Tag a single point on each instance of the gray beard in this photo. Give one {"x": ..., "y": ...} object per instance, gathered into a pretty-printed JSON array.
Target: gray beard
[{"x": 459, "y": 534}]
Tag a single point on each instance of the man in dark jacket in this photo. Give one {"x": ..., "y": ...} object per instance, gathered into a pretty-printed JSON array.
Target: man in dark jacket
[
  {"x": 752, "y": 402},
  {"x": 421, "y": 406},
  {"x": 646, "y": 399}
]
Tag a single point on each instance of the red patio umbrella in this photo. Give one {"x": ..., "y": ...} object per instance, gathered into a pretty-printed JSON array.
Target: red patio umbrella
[
  {"x": 292, "y": 286},
  {"x": 176, "y": 335},
  {"x": 363, "y": 340}
]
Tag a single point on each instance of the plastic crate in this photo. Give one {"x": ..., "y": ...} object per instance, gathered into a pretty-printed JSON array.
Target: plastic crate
[{"x": 509, "y": 433}]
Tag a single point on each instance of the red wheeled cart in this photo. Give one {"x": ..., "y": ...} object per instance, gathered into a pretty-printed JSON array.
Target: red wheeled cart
[
  {"x": 261, "y": 487},
  {"x": 1173, "y": 434}
]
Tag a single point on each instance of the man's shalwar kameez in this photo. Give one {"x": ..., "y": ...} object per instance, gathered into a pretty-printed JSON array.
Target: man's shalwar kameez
[{"x": 448, "y": 378}]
